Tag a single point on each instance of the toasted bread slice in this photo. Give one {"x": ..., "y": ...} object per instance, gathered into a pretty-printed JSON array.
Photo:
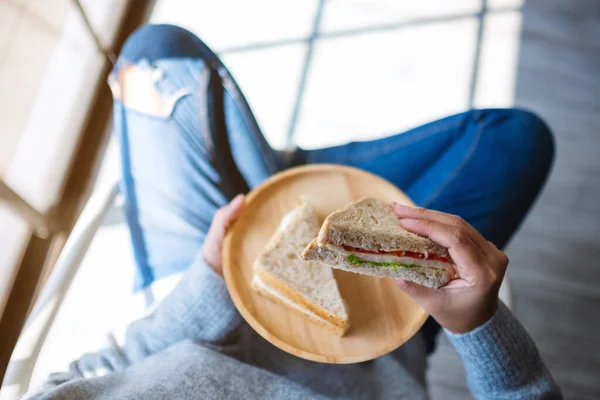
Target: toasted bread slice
[{"x": 307, "y": 287}]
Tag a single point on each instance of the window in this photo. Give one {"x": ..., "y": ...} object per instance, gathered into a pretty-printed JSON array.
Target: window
[{"x": 54, "y": 58}]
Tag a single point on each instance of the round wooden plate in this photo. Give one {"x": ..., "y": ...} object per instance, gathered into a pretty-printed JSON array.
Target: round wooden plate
[{"x": 382, "y": 317}]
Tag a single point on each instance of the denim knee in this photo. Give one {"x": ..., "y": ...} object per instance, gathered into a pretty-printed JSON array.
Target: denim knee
[
  {"x": 534, "y": 130},
  {"x": 531, "y": 138},
  {"x": 153, "y": 42}
]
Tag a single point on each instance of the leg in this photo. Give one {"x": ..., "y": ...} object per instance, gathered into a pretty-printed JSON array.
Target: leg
[
  {"x": 176, "y": 110},
  {"x": 487, "y": 166}
]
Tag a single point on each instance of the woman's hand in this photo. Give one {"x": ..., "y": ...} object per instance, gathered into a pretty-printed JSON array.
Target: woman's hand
[
  {"x": 470, "y": 300},
  {"x": 213, "y": 244}
]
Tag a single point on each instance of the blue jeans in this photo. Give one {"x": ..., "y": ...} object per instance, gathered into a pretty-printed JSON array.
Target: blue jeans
[{"x": 181, "y": 165}]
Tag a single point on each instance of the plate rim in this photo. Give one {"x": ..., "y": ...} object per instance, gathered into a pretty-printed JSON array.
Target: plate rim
[{"x": 245, "y": 312}]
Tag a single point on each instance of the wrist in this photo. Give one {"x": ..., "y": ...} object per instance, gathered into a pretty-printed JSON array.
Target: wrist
[
  {"x": 213, "y": 264},
  {"x": 473, "y": 320}
]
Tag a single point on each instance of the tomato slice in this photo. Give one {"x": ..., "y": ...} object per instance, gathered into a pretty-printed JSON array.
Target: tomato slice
[{"x": 411, "y": 254}]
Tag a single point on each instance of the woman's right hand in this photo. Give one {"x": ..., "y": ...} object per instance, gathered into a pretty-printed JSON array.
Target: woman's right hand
[
  {"x": 213, "y": 244},
  {"x": 472, "y": 299}
]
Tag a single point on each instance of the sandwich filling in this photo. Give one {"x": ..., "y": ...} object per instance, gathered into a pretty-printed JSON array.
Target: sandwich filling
[
  {"x": 262, "y": 285},
  {"x": 419, "y": 256},
  {"x": 393, "y": 259}
]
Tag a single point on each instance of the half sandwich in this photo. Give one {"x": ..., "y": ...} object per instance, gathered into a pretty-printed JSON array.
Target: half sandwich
[
  {"x": 365, "y": 237},
  {"x": 307, "y": 287}
]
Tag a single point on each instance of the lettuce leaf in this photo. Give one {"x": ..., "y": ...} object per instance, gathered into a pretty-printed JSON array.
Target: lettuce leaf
[{"x": 352, "y": 259}]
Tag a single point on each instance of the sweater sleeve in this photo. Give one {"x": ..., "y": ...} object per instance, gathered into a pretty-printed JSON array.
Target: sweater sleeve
[
  {"x": 199, "y": 309},
  {"x": 502, "y": 361}
]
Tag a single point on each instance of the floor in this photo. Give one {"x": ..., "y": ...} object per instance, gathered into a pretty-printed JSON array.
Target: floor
[
  {"x": 555, "y": 280},
  {"x": 325, "y": 72}
]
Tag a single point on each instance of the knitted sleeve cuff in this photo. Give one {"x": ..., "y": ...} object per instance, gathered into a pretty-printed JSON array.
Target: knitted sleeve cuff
[{"x": 501, "y": 359}]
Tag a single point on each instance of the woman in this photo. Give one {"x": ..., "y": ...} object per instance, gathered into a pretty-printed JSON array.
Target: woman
[{"x": 190, "y": 144}]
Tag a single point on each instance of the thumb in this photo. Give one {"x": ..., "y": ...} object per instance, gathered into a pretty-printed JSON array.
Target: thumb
[
  {"x": 212, "y": 247},
  {"x": 233, "y": 210},
  {"x": 226, "y": 215},
  {"x": 421, "y": 294}
]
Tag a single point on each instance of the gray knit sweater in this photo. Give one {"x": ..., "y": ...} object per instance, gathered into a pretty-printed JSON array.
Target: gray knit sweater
[{"x": 195, "y": 345}]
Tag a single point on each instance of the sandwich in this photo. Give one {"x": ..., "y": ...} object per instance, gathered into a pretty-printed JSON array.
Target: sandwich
[
  {"x": 365, "y": 237},
  {"x": 306, "y": 287}
]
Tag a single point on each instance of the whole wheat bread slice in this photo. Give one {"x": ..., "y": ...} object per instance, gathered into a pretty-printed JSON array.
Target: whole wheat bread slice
[
  {"x": 371, "y": 224},
  {"x": 309, "y": 285}
]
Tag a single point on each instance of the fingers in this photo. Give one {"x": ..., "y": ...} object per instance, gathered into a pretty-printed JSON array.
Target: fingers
[
  {"x": 228, "y": 214},
  {"x": 213, "y": 243},
  {"x": 459, "y": 242},
  {"x": 404, "y": 211},
  {"x": 446, "y": 235},
  {"x": 233, "y": 210},
  {"x": 421, "y": 294},
  {"x": 420, "y": 213}
]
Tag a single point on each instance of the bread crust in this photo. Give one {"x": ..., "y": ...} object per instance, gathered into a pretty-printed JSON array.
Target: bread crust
[
  {"x": 339, "y": 331},
  {"x": 309, "y": 285},
  {"x": 336, "y": 324}
]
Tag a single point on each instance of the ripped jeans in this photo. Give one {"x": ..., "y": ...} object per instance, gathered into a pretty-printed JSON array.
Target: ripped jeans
[{"x": 189, "y": 144}]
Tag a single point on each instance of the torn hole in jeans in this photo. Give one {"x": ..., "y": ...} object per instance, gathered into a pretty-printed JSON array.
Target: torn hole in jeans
[{"x": 135, "y": 87}]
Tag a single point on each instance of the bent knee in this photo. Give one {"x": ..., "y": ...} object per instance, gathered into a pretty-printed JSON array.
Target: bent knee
[
  {"x": 135, "y": 78},
  {"x": 532, "y": 131},
  {"x": 153, "y": 42},
  {"x": 135, "y": 87},
  {"x": 526, "y": 135}
]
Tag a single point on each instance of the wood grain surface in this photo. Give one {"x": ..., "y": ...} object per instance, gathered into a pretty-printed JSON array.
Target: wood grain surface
[{"x": 381, "y": 316}]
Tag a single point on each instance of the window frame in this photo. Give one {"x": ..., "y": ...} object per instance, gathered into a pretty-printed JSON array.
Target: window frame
[{"x": 44, "y": 245}]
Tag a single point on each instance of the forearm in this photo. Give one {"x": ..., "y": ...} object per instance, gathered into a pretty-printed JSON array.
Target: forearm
[{"x": 502, "y": 361}]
